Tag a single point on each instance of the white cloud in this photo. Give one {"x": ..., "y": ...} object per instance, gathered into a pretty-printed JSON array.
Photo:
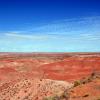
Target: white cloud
[
  {"x": 66, "y": 35},
  {"x": 87, "y": 24},
  {"x": 89, "y": 36},
  {"x": 23, "y": 36}
]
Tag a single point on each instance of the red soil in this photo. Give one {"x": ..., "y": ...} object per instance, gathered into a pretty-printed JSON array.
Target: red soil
[
  {"x": 88, "y": 91},
  {"x": 64, "y": 66},
  {"x": 72, "y": 68}
]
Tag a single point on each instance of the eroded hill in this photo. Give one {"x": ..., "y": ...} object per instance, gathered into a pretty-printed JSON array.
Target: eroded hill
[{"x": 25, "y": 76}]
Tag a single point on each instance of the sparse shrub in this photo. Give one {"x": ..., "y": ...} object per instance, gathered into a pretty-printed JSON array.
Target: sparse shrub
[
  {"x": 65, "y": 96},
  {"x": 76, "y": 83},
  {"x": 86, "y": 95},
  {"x": 52, "y": 98},
  {"x": 93, "y": 74},
  {"x": 98, "y": 99}
]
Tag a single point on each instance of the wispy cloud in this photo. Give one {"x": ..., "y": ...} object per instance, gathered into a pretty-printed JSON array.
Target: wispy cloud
[
  {"x": 95, "y": 36},
  {"x": 24, "y": 36},
  {"x": 64, "y": 35},
  {"x": 87, "y": 24}
]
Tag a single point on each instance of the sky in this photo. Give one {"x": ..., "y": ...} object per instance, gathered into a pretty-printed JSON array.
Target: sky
[{"x": 49, "y": 25}]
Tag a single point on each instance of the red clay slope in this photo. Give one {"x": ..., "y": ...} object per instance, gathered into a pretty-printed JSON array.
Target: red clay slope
[
  {"x": 88, "y": 91},
  {"x": 72, "y": 68},
  {"x": 14, "y": 68},
  {"x": 67, "y": 66}
]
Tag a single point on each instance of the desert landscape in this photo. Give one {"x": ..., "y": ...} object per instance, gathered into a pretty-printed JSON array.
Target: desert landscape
[
  {"x": 49, "y": 49},
  {"x": 49, "y": 76}
]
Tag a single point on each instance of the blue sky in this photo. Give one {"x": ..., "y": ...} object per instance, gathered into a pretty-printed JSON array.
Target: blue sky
[{"x": 49, "y": 26}]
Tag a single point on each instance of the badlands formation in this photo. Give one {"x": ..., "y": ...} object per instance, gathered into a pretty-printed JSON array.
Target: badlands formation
[{"x": 49, "y": 76}]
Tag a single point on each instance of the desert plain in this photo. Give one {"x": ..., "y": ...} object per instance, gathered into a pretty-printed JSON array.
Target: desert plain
[{"x": 50, "y": 76}]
